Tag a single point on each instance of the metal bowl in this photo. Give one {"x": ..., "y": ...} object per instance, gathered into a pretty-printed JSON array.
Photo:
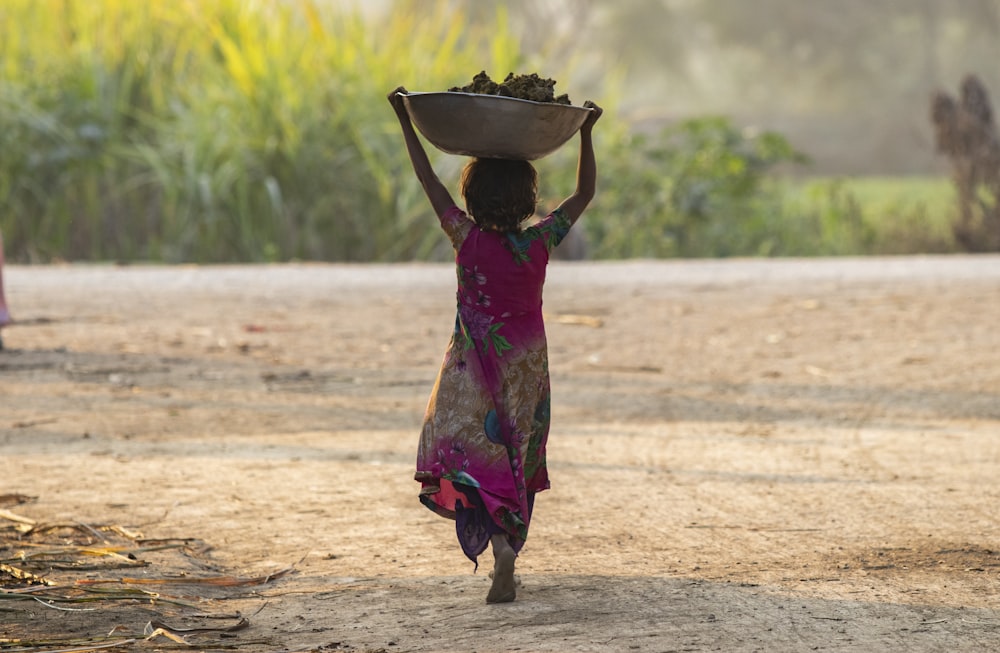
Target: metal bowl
[{"x": 493, "y": 126}]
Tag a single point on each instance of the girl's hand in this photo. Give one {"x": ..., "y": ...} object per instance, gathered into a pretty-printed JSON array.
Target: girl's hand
[
  {"x": 595, "y": 114},
  {"x": 396, "y": 100}
]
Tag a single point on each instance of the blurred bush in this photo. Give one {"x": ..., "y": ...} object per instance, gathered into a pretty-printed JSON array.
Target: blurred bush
[{"x": 225, "y": 130}]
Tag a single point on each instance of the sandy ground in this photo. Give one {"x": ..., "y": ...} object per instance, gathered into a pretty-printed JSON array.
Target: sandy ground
[{"x": 746, "y": 456}]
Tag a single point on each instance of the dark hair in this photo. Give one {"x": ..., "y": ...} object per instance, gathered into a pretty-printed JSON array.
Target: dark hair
[{"x": 500, "y": 193}]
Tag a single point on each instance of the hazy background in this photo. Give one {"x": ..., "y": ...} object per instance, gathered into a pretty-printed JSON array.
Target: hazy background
[
  {"x": 258, "y": 130},
  {"x": 848, "y": 81}
]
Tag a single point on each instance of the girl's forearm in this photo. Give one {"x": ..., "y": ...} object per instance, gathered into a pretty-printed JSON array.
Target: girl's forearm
[
  {"x": 586, "y": 179},
  {"x": 415, "y": 150},
  {"x": 586, "y": 172},
  {"x": 436, "y": 192}
]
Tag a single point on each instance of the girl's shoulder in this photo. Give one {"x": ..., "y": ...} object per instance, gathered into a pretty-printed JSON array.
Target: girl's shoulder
[
  {"x": 551, "y": 229},
  {"x": 457, "y": 224}
]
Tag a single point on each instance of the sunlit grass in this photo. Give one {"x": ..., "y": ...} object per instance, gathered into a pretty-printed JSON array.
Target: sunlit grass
[
  {"x": 218, "y": 129},
  {"x": 253, "y": 130},
  {"x": 876, "y": 215}
]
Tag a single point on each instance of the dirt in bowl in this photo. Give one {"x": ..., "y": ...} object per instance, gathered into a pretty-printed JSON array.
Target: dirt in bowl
[{"x": 524, "y": 87}]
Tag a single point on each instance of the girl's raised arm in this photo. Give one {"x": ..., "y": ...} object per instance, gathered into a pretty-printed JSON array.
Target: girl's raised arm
[
  {"x": 586, "y": 171},
  {"x": 436, "y": 192}
]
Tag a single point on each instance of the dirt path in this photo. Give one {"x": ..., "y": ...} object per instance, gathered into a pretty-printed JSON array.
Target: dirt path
[{"x": 746, "y": 456}]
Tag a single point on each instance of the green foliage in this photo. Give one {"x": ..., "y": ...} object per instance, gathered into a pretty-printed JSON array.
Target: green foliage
[
  {"x": 219, "y": 130},
  {"x": 872, "y": 215},
  {"x": 699, "y": 188},
  {"x": 225, "y": 130},
  {"x": 704, "y": 188}
]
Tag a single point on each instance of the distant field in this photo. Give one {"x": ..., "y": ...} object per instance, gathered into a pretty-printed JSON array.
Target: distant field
[
  {"x": 894, "y": 195},
  {"x": 882, "y": 215}
]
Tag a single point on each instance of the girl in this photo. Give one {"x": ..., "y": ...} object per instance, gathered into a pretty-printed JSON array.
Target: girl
[{"x": 481, "y": 456}]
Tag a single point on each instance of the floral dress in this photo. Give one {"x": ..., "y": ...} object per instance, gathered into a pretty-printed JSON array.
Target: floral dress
[{"x": 481, "y": 457}]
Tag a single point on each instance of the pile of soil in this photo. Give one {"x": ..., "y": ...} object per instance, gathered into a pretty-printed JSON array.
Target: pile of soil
[{"x": 524, "y": 87}]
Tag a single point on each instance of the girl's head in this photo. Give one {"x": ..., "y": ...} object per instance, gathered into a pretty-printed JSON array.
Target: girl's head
[{"x": 500, "y": 194}]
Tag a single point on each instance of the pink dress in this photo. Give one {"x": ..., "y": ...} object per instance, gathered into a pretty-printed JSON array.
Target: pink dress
[{"x": 481, "y": 457}]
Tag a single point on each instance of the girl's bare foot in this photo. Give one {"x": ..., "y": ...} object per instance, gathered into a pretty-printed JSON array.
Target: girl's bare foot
[{"x": 503, "y": 589}]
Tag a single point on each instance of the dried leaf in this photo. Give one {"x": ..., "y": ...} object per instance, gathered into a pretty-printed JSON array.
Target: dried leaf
[
  {"x": 242, "y": 624},
  {"x": 21, "y": 574},
  {"x": 582, "y": 320},
  {"x": 50, "y": 604},
  {"x": 150, "y": 634},
  {"x": 8, "y": 515},
  {"x": 75, "y": 645},
  {"x": 218, "y": 581},
  {"x": 80, "y": 526}
]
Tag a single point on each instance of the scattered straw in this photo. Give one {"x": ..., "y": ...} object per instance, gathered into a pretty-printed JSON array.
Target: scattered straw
[{"x": 38, "y": 560}]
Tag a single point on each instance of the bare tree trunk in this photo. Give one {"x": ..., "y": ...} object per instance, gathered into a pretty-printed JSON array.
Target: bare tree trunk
[{"x": 966, "y": 133}]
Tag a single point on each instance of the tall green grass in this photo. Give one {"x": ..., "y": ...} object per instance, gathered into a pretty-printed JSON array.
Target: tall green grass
[
  {"x": 258, "y": 130},
  {"x": 219, "y": 130}
]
